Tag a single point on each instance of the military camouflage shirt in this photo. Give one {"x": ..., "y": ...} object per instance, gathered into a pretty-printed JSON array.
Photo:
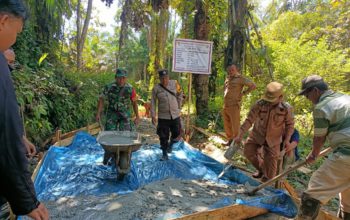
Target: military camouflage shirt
[{"x": 119, "y": 100}]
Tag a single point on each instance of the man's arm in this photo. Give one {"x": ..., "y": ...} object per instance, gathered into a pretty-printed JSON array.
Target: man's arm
[
  {"x": 31, "y": 150},
  {"x": 317, "y": 145},
  {"x": 321, "y": 125},
  {"x": 252, "y": 115},
  {"x": 289, "y": 124},
  {"x": 248, "y": 83},
  {"x": 293, "y": 143},
  {"x": 251, "y": 86}
]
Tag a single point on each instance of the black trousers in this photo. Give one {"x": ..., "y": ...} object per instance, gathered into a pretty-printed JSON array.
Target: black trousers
[{"x": 164, "y": 128}]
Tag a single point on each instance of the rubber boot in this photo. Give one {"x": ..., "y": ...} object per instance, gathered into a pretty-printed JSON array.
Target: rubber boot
[{"x": 309, "y": 207}]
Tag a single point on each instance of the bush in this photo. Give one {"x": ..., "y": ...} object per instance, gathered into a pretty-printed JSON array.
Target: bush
[{"x": 51, "y": 100}]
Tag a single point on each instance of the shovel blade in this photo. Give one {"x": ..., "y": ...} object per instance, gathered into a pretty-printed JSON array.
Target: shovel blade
[{"x": 233, "y": 148}]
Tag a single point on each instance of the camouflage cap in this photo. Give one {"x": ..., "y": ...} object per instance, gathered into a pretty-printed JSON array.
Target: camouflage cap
[
  {"x": 273, "y": 91},
  {"x": 121, "y": 73},
  {"x": 163, "y": 72},
  {"x": 310, "y": 82}
]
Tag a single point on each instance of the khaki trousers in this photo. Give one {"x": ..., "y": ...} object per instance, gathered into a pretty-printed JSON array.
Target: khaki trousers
[
  {"x": 231, "y": 116},
  {"x": 331, "y": 178},
  {"x": 266, "y": 163}
]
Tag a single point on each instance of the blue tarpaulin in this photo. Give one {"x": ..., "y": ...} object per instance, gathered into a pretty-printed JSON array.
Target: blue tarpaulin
[{"x": 78, "y": 170}]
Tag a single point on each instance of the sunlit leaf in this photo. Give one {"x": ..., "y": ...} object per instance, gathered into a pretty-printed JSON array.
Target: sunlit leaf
[{"x": 42, "y": 58}]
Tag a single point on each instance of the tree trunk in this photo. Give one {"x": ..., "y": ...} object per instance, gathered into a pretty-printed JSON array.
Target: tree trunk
[
  {"x": 237, "y": 40},
  {"x": 78, "y": 23},
  {"x": 157, "y": 38},
  {"x": 201, "y": 81},
  {"x": 214, "y": 71},
  {"x": 123, "y": 30},
  {"x": 81, "y": 34}
]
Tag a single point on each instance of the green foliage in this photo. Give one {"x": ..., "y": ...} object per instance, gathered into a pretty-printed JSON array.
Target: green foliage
[
  {"x": 27, "y": 49},
  {"x": 51, "y": 100}
]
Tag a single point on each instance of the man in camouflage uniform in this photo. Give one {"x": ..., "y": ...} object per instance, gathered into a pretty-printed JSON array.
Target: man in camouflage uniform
[
  {"x": 331, "y": 121},
  {"x": 272, "y": 119},
  {"x": 119, "y": 96}
]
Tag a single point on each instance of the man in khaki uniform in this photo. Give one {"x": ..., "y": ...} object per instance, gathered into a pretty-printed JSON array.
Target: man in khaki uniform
[
  {"x": 167, "y": 96},
  {"x": 272, "y": 119},
  {"x": 331, "y": 121},
  {"x": 234, "y": 91}
]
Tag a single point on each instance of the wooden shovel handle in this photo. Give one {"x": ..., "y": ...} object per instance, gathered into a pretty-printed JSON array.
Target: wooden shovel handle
[{"x": 291, "y": 169}]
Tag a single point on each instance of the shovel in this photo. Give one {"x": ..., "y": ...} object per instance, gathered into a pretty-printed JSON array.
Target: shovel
[
  {"x": 228, "y": 155},
  {"x": 292, "y": 168}
]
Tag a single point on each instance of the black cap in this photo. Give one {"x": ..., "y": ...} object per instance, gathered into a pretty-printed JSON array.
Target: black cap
[{"x": 163, "y": 72}]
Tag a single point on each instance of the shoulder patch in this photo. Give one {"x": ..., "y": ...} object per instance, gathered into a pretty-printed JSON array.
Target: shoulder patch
[{"x": 286, "y": 105}]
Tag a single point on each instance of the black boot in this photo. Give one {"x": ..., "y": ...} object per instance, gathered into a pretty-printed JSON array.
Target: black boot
[
  {"x": 164, "y": 145},
  {"x": 170, "y": 146},
  {"x": 164, "y": 157},
  {"x": 309, "y": 207}
]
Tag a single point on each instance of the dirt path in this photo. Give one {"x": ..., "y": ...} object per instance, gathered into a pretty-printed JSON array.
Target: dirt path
[{"x": 148, "y": 130}]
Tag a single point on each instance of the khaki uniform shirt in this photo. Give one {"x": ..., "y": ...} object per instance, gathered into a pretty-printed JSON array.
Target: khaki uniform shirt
[
  {"x": 169, "y": 106},
  {"x": 233, "y": 89},
  {"x": 271, "y": 122}
]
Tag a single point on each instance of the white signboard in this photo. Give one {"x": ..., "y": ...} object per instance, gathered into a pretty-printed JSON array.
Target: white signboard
[{"x": 193, "y": 56}]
